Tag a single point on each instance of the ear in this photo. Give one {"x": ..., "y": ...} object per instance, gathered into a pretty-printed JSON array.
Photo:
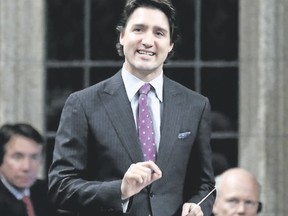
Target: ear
[
  {"x": 121, "y": 36},
  {"x": 171, "y": 47}
]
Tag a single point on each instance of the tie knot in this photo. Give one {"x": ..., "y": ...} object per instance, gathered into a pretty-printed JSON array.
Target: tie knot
[
  {"x": 25, "y": 198},
  {"x": 145, "y": 88}
]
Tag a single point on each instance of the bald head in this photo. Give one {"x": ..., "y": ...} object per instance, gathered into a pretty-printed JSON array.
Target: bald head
[
  {"x": 238, "y": 193},
  {"x": 238, "y": 178}
]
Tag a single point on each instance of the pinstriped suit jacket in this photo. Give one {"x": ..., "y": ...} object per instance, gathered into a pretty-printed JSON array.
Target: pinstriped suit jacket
[{"x": 97, "y": 141}]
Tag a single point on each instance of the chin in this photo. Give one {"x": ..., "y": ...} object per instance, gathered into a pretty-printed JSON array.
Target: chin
[
  {"x": 25, "y": 184},
  {"x": 146, "y": 67}
]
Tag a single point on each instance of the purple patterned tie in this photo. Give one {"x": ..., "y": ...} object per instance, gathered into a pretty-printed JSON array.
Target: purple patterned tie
[{"x": 145, "y": 125}]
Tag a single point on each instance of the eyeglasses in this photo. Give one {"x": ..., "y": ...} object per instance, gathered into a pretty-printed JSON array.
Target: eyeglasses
[{"x": 249, "y": 204}]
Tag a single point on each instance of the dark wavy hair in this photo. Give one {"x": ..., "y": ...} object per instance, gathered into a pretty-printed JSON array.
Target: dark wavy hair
[
  {"x": 163, "y": 5},
  {"x": 7, "y": 131}
]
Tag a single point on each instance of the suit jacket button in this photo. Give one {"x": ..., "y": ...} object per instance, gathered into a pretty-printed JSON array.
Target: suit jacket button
[{"x": 151, "y": 194}]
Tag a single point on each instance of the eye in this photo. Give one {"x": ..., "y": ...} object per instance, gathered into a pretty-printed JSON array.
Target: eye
[
  {"x": 250, "y": 203},
  {"x": 137, "y": 29},
  {"x": 17, "y": 156},
  {"x": 233, "y": 202},
  {"x": 160, "y": 33},
  {"x": 35, "y": 157}
]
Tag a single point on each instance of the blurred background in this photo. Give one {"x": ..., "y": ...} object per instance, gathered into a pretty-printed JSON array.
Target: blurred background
[{"x": 234, "y": 52}]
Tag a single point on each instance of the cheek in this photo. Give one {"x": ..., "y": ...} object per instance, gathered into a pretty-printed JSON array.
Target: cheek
[
  {"x": 215, "y": 208},
  {"x": 9, "y": 165},
  {"x": 36, "y": 166},
  {"x": 9, "y": 170},
  {"x": 220, "y": 208}
]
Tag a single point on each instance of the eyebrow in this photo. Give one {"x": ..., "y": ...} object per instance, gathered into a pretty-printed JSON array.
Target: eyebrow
[
  {"x": 162, "y": 29},
  {"x": 154, "y": 27}
]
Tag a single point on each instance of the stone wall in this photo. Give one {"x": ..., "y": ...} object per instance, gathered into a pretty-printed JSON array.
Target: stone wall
[
  {"x": 21, "y": 62},
  {"x": 263, "y": 77}
]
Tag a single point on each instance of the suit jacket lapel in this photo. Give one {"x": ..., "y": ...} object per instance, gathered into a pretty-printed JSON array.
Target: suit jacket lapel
[
  {"x": 169, "y": 126},
  {"x": 118, "y": 107}
]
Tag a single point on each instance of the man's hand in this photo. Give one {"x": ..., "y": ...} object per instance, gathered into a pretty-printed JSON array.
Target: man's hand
[
  {"x": 191, "y": 209},
  {"x": 138, "y": 176}
]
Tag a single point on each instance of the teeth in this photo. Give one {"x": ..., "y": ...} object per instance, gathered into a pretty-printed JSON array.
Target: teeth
[{"x": 146, "y": 53}]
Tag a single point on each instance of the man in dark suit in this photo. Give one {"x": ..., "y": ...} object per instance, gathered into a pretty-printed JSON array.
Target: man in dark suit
[
  {"x": 99, "y": 166},
  {"x": 21, "y": 149}
]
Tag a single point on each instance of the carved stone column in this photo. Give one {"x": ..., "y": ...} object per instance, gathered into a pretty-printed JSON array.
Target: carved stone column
[
  {"x": 21, "y": 62},
  {"x": 263, "y": 76}
]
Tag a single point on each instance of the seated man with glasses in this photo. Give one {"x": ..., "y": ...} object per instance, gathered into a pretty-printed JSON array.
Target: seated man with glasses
[{"x": 238, "y": 193}]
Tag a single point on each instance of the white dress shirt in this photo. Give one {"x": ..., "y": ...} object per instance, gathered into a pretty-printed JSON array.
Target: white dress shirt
[
  {"x": 155, "y": 99},
  {"x": 18, "y": 194}
]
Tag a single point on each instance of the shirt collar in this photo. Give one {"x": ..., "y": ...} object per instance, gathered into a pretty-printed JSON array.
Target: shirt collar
[
  {"x": 17, "y": 193},
  {"x": 132, "y": 84}
]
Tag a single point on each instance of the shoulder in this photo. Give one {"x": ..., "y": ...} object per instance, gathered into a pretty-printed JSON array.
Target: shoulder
[
  {"x": 40, "y": 187},
  {"x": 108, "y": 85},
  {"x": 9, "y": 205},
  {"x": 4, "y": 192},
  {"x": 173, "y": 87}
]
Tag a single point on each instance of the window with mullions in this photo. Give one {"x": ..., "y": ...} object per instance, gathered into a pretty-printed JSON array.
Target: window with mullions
[{"x": 81, "y": 51}]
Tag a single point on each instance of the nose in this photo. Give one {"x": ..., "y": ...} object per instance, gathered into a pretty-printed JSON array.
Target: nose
[
  {"x": 26, "y": 163},
  {"x": 148, "y": 40},
  {"x": 241, "y": 208}
]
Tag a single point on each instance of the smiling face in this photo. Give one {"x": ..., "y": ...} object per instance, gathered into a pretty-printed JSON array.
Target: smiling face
[
  {"x": 146, "y": 42},
  {"x": 21, "y": 161}
]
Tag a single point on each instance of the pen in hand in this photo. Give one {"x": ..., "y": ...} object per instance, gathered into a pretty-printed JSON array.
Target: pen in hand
[{"x": 202, "y": 200}]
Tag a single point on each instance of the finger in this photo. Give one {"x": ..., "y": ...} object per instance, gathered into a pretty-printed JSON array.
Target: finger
[
  {"x": 137, "y": 177},
  {"x": 153, "y": 167},
  {"x": 190, "y": 209},
  {"x": 143, "y": 173},
  {"x": 140, "y": 173},
  {"x": 195, "y": 210},
  {"x": 154, "y": 170},
  {"x": 185, "y": 209},
  {"x": 141, "y": 168}
]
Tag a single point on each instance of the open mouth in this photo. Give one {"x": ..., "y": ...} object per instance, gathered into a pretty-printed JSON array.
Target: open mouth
[{"x": 146, "y": 53}]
